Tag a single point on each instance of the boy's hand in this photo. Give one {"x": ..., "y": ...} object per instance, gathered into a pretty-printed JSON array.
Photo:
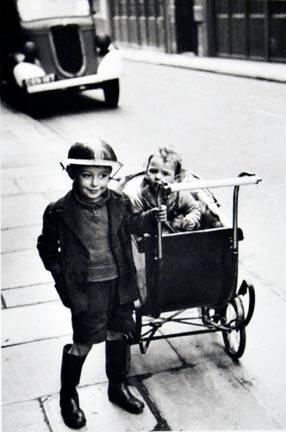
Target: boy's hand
[
  {"x": 60, "y": 285},
  {"x": 160, "y": 213}
]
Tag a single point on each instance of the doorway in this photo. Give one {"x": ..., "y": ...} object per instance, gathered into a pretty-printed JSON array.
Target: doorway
[{"x": 186, "y": 30}]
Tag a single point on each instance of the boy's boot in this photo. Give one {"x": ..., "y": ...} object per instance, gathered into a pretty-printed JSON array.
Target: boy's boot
[
  {"x": 117, "y": 368},
  {"x": 72, "y": 415}
]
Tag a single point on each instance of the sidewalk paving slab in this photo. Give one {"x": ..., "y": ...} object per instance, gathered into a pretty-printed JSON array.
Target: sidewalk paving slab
[
  {"x": 22, "y": 210},
  {"x": 45, "y": 169},
  {"x": 22, "y": 152},
  {"x": 30, "y": 295},
  {"x": 18, "y": 239},
  {"x": 101, "y": 415},
  {"x": 160, "y": 356},
  {"x": 32, "y": 370},
  {"x": 24, "y": 417},
  {"x": 9, "y": 187},
  {"x": 23, "y": 268},
  {"x": 185, "y": 396},
  {"x": 42, "y": 321},
  {"x": 44, "y": 183}
]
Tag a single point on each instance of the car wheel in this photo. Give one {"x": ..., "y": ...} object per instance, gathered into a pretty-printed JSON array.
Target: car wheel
[
  {"x": 111, "y": 93},
  {"x": 32, "y": 105}
]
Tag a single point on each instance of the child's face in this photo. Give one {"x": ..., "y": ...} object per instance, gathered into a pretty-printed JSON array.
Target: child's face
[
  {"x": 160, "y": 171},
  {"x": 92, "y": 181}
]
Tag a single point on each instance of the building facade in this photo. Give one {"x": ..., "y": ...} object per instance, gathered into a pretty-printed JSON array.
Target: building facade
[{"x": 244, "y": 29}]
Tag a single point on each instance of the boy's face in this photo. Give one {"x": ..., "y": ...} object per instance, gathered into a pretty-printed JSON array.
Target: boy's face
[
  {"x": 160, "y": 171},
  {"x": 92, "y": 181}
]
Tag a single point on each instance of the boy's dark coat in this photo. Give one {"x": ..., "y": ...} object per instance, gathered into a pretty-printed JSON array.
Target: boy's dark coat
[{"x": 66, "y": 256}]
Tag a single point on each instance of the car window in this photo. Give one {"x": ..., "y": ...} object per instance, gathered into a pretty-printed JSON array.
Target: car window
[{"x": 30, "y": 10}]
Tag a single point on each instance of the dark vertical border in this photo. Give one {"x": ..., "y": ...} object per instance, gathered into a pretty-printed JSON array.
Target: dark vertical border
[
  {"x": 267, "y": 32},
  {"x": 247, "y": 24},
  {"x": 139, "y": 39},
  {"x": 110, "y": 15},
  {"x": 210, "y": 44},
  {"x": 229, "y": 27},
  {"x": 166, "y": 26}
]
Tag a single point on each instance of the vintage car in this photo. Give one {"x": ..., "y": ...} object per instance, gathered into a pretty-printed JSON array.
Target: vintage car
[{"x": 51, "y": 46}]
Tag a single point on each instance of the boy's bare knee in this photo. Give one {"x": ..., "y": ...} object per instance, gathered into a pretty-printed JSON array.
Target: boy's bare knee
[
  {"x": 80, "y": 349},
  {"x": 113, "y": 335}
]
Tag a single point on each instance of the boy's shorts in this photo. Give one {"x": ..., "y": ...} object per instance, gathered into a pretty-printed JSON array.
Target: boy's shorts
[{"x": 104, "y": 313}]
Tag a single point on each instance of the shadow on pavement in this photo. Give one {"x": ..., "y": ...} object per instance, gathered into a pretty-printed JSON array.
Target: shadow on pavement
[{"x": 50, "y": 105}]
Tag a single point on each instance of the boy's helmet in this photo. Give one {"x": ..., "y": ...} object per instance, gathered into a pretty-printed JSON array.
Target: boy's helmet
[{"x": 99, "y": 153}]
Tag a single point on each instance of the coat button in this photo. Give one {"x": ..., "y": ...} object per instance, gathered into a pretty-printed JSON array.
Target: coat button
[{"x": 72, "y": 276}]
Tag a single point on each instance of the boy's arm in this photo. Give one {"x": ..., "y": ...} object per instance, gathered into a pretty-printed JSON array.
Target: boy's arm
[
  {"x": 48, "y": 247},
  {"x": 48, "y": 242},
  {"x": 140, "y": 221}
]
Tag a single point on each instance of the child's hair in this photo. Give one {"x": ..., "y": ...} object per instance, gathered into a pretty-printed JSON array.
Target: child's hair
[{"x": 168, "y": 155}]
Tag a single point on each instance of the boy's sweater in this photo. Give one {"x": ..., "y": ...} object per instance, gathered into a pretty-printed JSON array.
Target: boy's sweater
[{"x": 94, "y": 226}]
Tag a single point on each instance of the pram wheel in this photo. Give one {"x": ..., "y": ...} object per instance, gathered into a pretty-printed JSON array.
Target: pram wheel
[{"x": 234, "y": 339}]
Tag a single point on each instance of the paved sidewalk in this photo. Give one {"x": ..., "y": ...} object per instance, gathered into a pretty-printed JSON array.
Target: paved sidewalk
[
  {"x": 36, "y": 325},
  {"x": 240, "y": 68}
]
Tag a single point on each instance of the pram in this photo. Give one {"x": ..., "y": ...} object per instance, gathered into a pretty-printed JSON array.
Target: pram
[{"x": 195, "y": 270}]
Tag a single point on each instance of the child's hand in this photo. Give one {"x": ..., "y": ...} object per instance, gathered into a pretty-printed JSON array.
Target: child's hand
[
  {"x": 189, "y": 225},
  {"x": 192, "y": 221},
  {"x": 184, "y": 224},
  {"x": 160, "y": 213}
]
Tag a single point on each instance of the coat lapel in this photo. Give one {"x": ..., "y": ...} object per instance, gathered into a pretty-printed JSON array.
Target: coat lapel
[
  {"x": 115, "y": 214},
  {"x": 70, "y": 213}
]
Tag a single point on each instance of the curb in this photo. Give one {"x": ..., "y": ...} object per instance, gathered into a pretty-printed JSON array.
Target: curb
[{"x": 273, "y": 72}]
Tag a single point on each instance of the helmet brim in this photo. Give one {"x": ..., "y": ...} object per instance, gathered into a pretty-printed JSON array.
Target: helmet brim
[{"x": 115, "y": 165}]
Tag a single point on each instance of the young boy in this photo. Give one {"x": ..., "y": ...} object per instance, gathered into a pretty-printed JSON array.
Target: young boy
[
  {"x": 183, "y": 211},
  {"x": 86, "y": 245}
]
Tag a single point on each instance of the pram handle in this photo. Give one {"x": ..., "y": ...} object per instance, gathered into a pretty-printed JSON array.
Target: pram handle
[{"x": 194, "y": 185}]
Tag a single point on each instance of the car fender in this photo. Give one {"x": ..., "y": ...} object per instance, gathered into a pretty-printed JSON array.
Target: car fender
[
  {"x": 24, "y": 70},
  {"x": 111, "y": 65}
]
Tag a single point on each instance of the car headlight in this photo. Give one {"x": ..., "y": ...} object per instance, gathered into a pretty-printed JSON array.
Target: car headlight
[{"x": 102, "y": 43}]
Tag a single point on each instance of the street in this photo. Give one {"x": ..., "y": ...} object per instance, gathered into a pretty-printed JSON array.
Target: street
[{"x": 221, "y": 126}]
